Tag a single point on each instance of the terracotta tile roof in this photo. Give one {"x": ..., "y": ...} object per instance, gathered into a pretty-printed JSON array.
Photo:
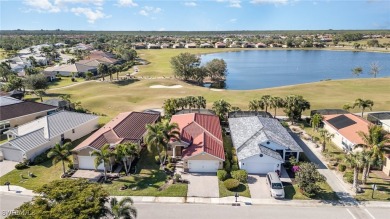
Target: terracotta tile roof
[
  {"x": 125, "y": 127},
  {"x": 349, "y": 132},
  {"x": 22, "y": 109},
  {"x": 204, "y": 131}
]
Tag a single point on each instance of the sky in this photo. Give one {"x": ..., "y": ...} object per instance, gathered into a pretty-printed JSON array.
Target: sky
[{"x": 194, "y": 15}]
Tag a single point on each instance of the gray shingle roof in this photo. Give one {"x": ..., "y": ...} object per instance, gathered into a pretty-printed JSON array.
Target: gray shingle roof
[
  {"x": 57, "y": 124},
  {"x": 248, "y": 132}
]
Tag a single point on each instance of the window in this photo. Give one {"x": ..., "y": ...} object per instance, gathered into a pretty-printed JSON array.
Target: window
[
  {"x": 277, "y": 186},
  {"x": 73, "y": 131}
]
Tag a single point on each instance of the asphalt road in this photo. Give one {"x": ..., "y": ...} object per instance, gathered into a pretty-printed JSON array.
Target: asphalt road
[
  {"x": 8, "y": 202},
  {"x": 199, "y": 211}
]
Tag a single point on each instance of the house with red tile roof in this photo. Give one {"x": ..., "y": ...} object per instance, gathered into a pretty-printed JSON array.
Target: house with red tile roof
[
  {"x": 124, "y": 128},
  {"x": 345, "y": 128},
  {"x": 201, "y": 145}
]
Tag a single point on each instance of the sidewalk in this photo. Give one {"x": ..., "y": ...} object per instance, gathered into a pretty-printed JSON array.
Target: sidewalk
[{"x": 16, "y": 190}]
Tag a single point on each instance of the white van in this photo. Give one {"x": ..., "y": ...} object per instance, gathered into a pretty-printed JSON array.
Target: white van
[{"x": 275, "y": 185}]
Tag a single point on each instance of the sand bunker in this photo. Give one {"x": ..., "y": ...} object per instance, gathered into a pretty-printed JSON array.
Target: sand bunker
[
  {"x": 163, "y": 86},
  {"x": 213, "y": 89}
]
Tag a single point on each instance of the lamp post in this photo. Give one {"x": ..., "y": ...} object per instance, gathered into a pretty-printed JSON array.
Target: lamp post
[
  {"x": 236, "y": 195},
  {"x": 7, "y": 184}
]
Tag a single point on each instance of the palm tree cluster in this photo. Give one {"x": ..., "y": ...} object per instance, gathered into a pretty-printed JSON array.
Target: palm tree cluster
[
  {"x": 158, "y": 137},
  {"x": 221, "y": 109},
  {"x": 265, "y": 102},
  {"x": 172, "y": 105},
  {"x": 121, "y": 152},
  {"x": 122, "y": 209}
]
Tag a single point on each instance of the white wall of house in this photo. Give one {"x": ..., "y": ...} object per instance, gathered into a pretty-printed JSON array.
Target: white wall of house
[
  {"x": 260, "y": 165},
  {"x": 386, "y": 166},
  {"x": 338, "y": 139},
  {"x": 386, "y": 125},
  {"x": 27, "y": 118}
]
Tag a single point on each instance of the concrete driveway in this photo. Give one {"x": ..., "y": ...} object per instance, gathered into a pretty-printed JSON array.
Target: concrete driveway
[
  {"x": 258, "y": 187},
  {"x": 202, "y": 185},
  {"x": 6, "y": 166}
]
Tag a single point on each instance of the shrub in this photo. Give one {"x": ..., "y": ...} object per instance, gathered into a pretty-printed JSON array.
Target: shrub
[
  {"x": 70, "y": 165},
  {"x": 240, "y": 175},
  {"x": 227, "y": 166},
  {"x": 222, "y": 175},
  {"x": 157, "y": 159},
  {"x": 231, "y": 184},
  {"x": 177, "y": 177},
  {"x": 66, "y": 140},
  {"x": 307, "y": 178},
  {"x": 41, "y": 158},
  {"x": 235, "y": 167},
  {"x": 21, "y": 166},
  {"x": 342, "y": 167},
  {"x": 348, "y": 176}
]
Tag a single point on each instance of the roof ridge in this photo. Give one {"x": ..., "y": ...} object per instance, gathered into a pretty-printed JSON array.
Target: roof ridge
[
  {"x": 250, "y": 139},
  {"x": 205, "y": 130}
]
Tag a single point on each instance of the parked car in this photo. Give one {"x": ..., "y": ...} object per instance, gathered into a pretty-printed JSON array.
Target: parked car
[{"x": 275, "y": 185}]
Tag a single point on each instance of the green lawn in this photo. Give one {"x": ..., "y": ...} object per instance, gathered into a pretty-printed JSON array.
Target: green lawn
[
  {"x": 147, "y": 181},
  {"x": 65, "y": 81},
  {"x": 243, "y": 190},
  {"x": 381, "y": 194},
  {"x": 293, "y": 192}
]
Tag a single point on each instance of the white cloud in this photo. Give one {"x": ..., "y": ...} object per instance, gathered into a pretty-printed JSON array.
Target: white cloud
[
  {"x": 127, "y": 3},
  {"x": 147, "y": 10},
  {"x": 276, "y": 2},
  {"x": 90, "y": 14},
  {"x": 85, "y": 2},
  {"x": 161, "y": 29},
  {"x": 232, "y": 3},
  {"x": 233, "y": 20},
  {"x": 42, "y": 6},
  {"x": 190, "y": 4}
]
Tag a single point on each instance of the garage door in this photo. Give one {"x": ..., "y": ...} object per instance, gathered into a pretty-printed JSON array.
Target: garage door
[
  {"x": 88, "y": 163},
  {"x": 258, "y": 168},
  {"x": 203, "y": 166},
  {"x": 12, "y": 154}
]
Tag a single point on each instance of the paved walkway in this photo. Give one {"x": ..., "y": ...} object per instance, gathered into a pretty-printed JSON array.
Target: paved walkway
[
  {"x": 6, "y": 166},
  {"x": 258, "y": 187},
  {"x": 342, "y": 189},
  {"x": 202, "y": 185}
]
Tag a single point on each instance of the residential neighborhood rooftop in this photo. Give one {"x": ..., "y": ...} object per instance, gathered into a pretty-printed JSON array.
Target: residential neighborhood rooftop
[{"x": 22, "y": 108}]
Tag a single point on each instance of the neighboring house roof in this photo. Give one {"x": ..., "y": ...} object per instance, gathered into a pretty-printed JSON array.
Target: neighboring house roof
[
  {"x": 77, "y": 67},
  {"x": 202, "y": 111},
  {"x": 56, "y": 102},
  {"x": 248, "y": 132},
  {"x": 5, "y": 100},
  {"x": 328, "y": 111},
  {"x": 204, "y": 131},
  {"x": 380, "y": 116},
  {"x": 125, "y": 127},
  {"x": 237, "y": 114},
  {"x": 348, "y": 125},
  {"x": 40, "y": 131},
  {"x": 22, "y": 108}
]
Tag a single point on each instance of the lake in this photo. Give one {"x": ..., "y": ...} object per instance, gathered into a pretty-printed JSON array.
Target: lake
[{"x": 256, "y": 69}]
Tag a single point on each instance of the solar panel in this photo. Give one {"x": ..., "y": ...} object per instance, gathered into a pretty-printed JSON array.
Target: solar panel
[{"x": 341, "y": 121}]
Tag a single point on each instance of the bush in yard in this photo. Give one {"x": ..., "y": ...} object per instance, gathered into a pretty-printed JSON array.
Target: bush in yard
[
  {"x": 227, "y": 166},
  {"x": 235, "y": 167},
  {"x": 21, "y": 166},
  {"x": 240, "y": 175},
  {"x": 231, "y": 184},
  {"x": 222, "y": 175},
  {"x": 307, "y": 177},
  {"x": 342, "y": 167},
  {"x": 41, "y": 158},
  {"x": 348, "y": 176}
]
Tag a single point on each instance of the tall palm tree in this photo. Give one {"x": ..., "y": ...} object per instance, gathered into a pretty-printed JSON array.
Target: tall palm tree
[
  {"x": 221, "y": 108},
  {"x": 375, "y": 141},
  {"x": 200, "y": 103},
  {"x": 363, "y": 104},
  {"x": 191, "y": 100},
  {"x": 182, "y": 103},
  {"x": 325, "y": 137},
  {"x": 254, "y": 105},
  {"x": 155, "y": 139},
  {"x": 123, "y": 208},
  {"x": 294, "y": 106},
  {"x": 276, "y": 102},
  {"x": 355, "y": 161},
  {"x": 102, "y": 69},
  {"x": 103, "y": 157},
  {"x": 60, "y": 153},
  {"x": 265, "y": 102},
  {"x": 315, "y": 121},
  {"x": 126, "y": 153},
  {"x": 170, "y": 131}
]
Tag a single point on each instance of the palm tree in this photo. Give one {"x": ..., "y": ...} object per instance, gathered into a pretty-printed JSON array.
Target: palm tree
[
  {"x": 155, "y": 139},
  {"x": 265, "y": 102},
  {"x": 126, "y": 152},
  {"x": 357, "y": 71},
  {"x": 347, "y": 107},
  {"x": 221, "y": 108},
  {"x": 191, "y": 100},
  {"x": 170, "y": 131},
  {"x": 123, "y": 208},
  {"x": 355, "y": 161},
  {"x": 315, "y": 121},
  {"x": 375, "y": 141},
  {"x": 103, "y": 157},
  {"x": 325, "y": 137},
  {"x": 363, "y": 104},
  {"x": 294, "y": 106},
  {"x": 200, "y": 103},
  {"x": 375, "y": 69},
  {"x": 182, "y": 103},
  {"x": 60, "y": 153},
  {"x": 254, "y": 105},
  {"x": 102, "y": 69}
]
